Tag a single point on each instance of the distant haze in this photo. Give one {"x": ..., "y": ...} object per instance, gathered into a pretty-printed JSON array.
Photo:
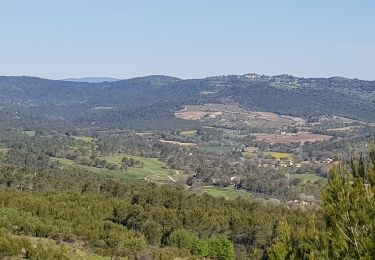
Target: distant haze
[{"x": 92, "y": 79}]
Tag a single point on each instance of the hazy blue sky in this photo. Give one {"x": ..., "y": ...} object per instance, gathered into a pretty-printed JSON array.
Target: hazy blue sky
[{"x": 188, "y": 39}]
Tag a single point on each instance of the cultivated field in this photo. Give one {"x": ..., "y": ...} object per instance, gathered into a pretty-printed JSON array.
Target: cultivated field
[
  {"x": 278, "y": 155},
  {"x": 153, "y": 170},
  {"x": 231, "y": 115},
  {"x": 249, "y": 154},
  {"x": 300, "y": 137},
  {"x": 275, "y": 155},
  {"x": 195, "y": 115}
]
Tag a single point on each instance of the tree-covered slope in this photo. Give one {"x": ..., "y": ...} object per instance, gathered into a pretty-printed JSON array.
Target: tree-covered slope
[{"x": 162, "y": 95}]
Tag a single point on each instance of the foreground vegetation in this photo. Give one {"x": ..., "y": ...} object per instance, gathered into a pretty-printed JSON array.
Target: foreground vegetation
[
  {"x": 130, "y": 220},
  {"x": 344, "y": 226},
  {"x": 113, "y": 218}
]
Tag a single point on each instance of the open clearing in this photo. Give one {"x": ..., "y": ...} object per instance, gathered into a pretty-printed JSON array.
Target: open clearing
[
  {"x": 300, "y": 137},
  {"x": 153, "y": 170},
  {"x": 196, "y": 115},
  {"x": 190, "y": 133},
  {"x": 30, "y": 133},
  {"x": 249, "y": 154},
  {"x": 178, "y": 143},
  {"x": 83, "y": 138},
  {"x": 229, "y": 115},
  {"x": 104, "y": 108},
  {"x": 278, "y": 155},
  {"x": 306, "y": 177},
  {"x": 144, "y": 134},
  {"x": 274, "y": 155}
]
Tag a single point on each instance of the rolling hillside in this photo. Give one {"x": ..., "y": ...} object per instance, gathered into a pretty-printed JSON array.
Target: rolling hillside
[{"x": 157, "y": 97}]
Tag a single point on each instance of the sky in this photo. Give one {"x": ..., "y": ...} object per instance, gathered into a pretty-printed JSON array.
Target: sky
[{"x": 187, "y": 39}]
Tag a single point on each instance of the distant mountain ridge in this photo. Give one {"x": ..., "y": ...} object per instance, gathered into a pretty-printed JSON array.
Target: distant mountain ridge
[
  {"x": 92, "y": 79},
  {"x": 158, "y": 96}
]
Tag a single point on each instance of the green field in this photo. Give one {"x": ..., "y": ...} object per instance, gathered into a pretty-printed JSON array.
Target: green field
[
  {"x": 115, "y": 174},
  {"x": 228, "y": 193},
  {"x": 278, "y": 155},
  {"x": 306, "y": 177},
  {"x": 275, "y": 155},
  {"x": 29, "y": 133},
  {"x": 83, "y": 138},
  {"x": 153, "y": 170},
  {"x": 285, "y": 85},
  {"x": 64, "y": 162},
  {"x": 190, "y": 133},
  {"x": 249, "y": 154}
]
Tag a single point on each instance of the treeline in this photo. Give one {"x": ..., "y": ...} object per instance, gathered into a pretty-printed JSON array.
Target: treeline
[
  {"x": 344, "y": 226},
  {"x": 203, "y": 169},
  {"x": 131, "y": 220},
  {"x": 35, "y": 152},
  {"x": 141, "y": 220},
  {"x": 148, "y": 103},
  {"x": 244, "y": 174}
]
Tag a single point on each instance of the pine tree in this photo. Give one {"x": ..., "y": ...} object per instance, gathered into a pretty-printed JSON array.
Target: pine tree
[{"x": 345, "y": 223}]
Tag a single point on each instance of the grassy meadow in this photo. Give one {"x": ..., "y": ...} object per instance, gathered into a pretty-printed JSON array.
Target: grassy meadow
[
  {"x": 153, "y": 169},
  {"x": 306, "y": 177}
]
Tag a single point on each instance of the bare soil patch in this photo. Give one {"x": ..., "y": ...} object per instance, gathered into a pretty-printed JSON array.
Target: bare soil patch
[
  {"x": 196, "y": 115},
  {"x": 230, "y": 115}
]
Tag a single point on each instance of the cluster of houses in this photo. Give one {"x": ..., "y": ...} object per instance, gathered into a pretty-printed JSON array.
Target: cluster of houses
[
  {"x": 265, "y": 163},
  {"x": 274, "y": 162}
]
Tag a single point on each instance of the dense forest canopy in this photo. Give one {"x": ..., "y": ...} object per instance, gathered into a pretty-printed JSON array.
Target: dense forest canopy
[{"x": 149, "y": 97}]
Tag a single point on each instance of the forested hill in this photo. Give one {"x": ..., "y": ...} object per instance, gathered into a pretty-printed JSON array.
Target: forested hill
[
  {"x": 282, "y": 94},
  {"x": 92, "y": 79}
]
